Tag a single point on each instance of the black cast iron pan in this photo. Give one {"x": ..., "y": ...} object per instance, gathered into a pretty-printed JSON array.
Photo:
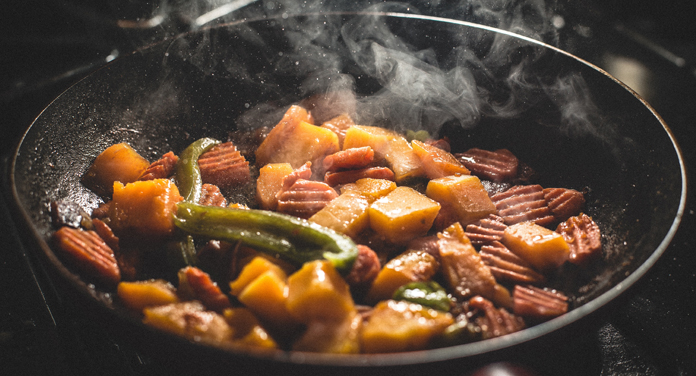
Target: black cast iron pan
[{"x": 571, "y": 122}]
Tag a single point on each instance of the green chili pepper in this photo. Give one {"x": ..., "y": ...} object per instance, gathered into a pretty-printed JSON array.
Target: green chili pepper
[
  {"x": 462, "y": 331},
  {"x": 188, "y": 174},
  {"x": 429, "y": 294},
  {"x": 291, "y": 238}
]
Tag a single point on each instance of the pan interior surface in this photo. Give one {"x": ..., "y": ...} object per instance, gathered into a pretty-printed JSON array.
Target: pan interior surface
[{"x": 573, "y": 124}]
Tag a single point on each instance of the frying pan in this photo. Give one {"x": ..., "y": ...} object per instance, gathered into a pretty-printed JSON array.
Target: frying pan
[{"x": 575, "y": 125}]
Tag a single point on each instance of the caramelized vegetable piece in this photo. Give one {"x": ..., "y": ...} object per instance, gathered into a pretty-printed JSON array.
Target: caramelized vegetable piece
[
  {"x": 151, "y": 293},
  {"x": 224, "y": 166},
  {"x": 539, "y": 304},
  {"x": 544, "y": 249},
  {"x": 266, "y": 296},
  {"x": 190, "y": 320},
  {"x": 507, "y": 266},
  {"x": 410, "y": 266},
  {"x": 349, "y": 159},
  {"x": 296, "y": 142},
  {"x": 372, "y": 189},
  {"x": 257, "y": 266},
  {"x": 464, "y": 270},
  {"x": 583, "y": 237},
  {"x": 437, "y": 163},
  {"x": 402, "y": 326},
  {"x": 495, "y": 322},
  {"x": 144, "y": 208},
  {"x": 486, "y": 230},
  {"x": 331, "y": 337},
  {"x": 346, "y": 214},
  {"x": 498, "y": 166},
  {"x": 402, "y": 215},
  {"x": 118, "y": 162},
  {"x": 387, "y": 145},
  {"x": 523, "y": 203},
  {"x": 317, "y": 292},
  {"x": 564, "y": 203},
  {"x": 463, "y": 195},
  {"x": 195, "y": 284},
  {"x": 247, "y": 329},
  {"x": 161, "y": 168},
  {"x": 88, "y": 253},
  {"x": 270, "y": 182}
]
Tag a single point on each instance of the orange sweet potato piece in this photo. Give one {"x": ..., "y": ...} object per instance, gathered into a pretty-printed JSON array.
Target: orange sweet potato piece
[{"x": 118, "y": 162}]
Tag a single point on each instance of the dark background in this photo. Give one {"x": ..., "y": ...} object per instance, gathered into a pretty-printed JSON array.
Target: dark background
[{"x": 45, "y": 46}]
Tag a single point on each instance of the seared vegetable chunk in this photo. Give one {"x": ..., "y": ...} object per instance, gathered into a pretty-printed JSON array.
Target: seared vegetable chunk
[
  {"x": 346, "y": 214},
  {"x": 270, "y": 182},
  {"x": 191, "y": 320},
  {"x": 317, "y": 292},
  {"x": 151, "y": 293},
  {"x": 542, "y": 248},
  {"x": 119, "y": 162},
  {"x": 403, "y": 215},
  {"x": 410, "y": 266},
  {"x": 464, "y": 194}
]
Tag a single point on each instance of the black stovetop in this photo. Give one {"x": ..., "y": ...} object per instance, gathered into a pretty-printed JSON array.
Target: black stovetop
[{"x": 48, "y": 48}]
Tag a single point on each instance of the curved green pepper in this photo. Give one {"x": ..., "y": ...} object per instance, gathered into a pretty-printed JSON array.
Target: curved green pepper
[
  {"x": 188, "y": 174},
  {"x": 429, "y": 294},
  {"x": 291, "y": 238}
]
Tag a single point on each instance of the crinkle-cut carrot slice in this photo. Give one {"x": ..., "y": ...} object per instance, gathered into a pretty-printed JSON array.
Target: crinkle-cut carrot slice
[
  {"x": 224, "y": 166},
  {"x": 88, "y": 253}
]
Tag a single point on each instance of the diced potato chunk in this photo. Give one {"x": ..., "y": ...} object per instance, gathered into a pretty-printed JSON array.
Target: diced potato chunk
[
  {"x": 464, "y": 194},
  {"x": 141, "y": 294},
  {"x": 464, "y": 270},
  {"x": 410, "y": 266},
  {"x": 190, "y": 320},
  {"x": 438, "y": 163},
  {"x": 403, "y": 215},
  {"x": 397, "y": 326},
  {"x": 387, "y": 145},
  {"x": 332, "y": 337},
  {"x": 257, "y": 266},
  {"x": 317, "y": 292},
  {"x": 118, "y": 162},
  {"x": 266, "y": 296},
  {"x": 270, "y": 182},
  {"x": 247, "y": 329},
  {"x": 296, "y": 141},
  {"x": 542, "y": 248},
  {"x": 144, "y": 208},
  {"x": 372, "y": 189},
  {"x": 346, "y": 214}
]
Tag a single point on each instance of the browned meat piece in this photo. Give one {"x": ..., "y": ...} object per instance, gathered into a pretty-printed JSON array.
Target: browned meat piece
[
  {"x": 224, "y": 166},
  {"x": 507, "y": 266},
  {"x": 349, "y": 159},
  {"x": 304, "y": 172},
  {"x": 211, "y": 196},
  {"x": 495, "y": 322},
  {"x": 523, "y": 203},
  {"x": 104, "y": 232},
  {"x": 365, "y": 268},
  {"x": 498, "y": 166},
  {"x": 160, "y": 169},
  {"x": 539, "y": 304},
  {"x": 486, "y": 230},
  {"x": 196, "y": 284},
  {"x": 583, "y": 237},
  {"x": 564, "y": 203},
  {"x": 442, "y": 143},
  {"x": 102, "y": 211},
  {"x": 344, "y": 177},
  {"x": 88, "y": 253},
  {"x": 428, "y": 244},
  {"x": 304, "y": 198}
]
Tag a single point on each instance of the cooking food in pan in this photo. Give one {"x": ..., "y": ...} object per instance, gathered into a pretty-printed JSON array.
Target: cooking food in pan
[{"x": 349, "y": 238}]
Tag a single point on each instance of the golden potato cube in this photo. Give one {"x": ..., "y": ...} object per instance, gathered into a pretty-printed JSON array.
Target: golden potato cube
[
  {"x": 346, "y": 214},
  {"x": 397, "y": 326},
  {"x": 140, "y": 294},
  {"x": 118, "y": 162},
  {"x": 257, "y": 266},
  {"x": 191, "y": 320},
  {"x": 387, "y": 145},
  {"x": 331, "y": 337},
  {"x": 270, "y": 182},
  {"x": 317, "y": 292},
  {"x": 144, "y": 208},
  {"x": 403, "y": 215},
  {"x": 410, "y": 266},
  {"x": 464, "y": 194},
  {"x": 297, "y": 144},
  {"x": 277, "y": 137},
  {"x": 372, "y": 189},
  {"x": 438, "y": 163},
  {"x": 266, "y": 296},
  {"x": 542, "y": 248},
  {"x": 247, "y": 329}
]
